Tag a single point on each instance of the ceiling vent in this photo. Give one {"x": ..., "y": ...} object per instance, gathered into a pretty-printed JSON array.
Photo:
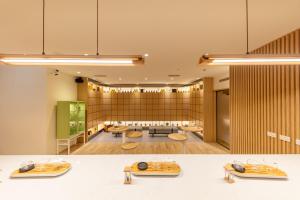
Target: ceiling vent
[{"x": 173, "y": 75}]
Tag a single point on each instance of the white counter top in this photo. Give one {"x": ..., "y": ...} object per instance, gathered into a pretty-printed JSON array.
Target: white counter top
[{"x": 101, "y": 178}]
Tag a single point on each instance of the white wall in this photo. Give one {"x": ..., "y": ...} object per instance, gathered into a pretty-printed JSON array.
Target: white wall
[
  {"x": 221, "y": 85},
  {"x": 27, "y": 102},
  {"x": 22, "y": 110},
  {"x": 60, "y": 88}
]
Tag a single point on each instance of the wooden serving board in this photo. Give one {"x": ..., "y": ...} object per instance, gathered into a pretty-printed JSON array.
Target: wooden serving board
[
  {"x": 258, "y": 171},
  {"x": 157, "y": 169},
  {"x": 44, "y": 170}
]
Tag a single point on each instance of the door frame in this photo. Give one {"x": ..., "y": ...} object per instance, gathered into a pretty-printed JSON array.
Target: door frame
[{"x": 221, "y": 142}]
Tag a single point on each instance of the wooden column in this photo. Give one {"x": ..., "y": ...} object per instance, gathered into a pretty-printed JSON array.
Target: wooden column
[{"x": 209, "y": 110}]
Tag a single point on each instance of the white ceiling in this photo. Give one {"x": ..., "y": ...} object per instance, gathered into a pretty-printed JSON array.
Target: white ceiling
[{"x": 175, "y": 33}]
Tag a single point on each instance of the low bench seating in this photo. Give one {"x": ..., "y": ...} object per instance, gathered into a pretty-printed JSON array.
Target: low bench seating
[{"x": 158, "y": 130}]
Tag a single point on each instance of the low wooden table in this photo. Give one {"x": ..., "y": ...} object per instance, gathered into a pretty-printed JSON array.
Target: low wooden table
[
  {"x": 134, "y": 134},
  {"x": 118, "y": 130},
  {"x": 122, "y": 130},
  {"x": 191, "y": 128},
  {"x": 181, "y": 137},
  {"x": 178, "y": 136}
]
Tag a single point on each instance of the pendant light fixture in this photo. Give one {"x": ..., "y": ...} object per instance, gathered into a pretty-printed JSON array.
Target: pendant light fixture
[
  {"x": 71, "y": 60},
  {"x": 249, "y": 59}
]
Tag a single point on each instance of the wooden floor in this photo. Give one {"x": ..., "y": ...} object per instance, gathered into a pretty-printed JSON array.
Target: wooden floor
[{"x": 151, "y": 148}]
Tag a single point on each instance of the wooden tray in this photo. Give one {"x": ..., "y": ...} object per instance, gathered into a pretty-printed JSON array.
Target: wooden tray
[
  {"x": 258, "y": 171},
  {"x": 157, "y": 169},
  {"x": 44, "y": 170}
]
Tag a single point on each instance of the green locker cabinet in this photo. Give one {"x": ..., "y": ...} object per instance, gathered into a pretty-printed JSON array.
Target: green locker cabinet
[{"x": 70, "y": 120}]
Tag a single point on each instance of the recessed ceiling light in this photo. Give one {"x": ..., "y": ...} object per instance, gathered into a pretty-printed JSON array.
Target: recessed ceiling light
[
  {"x": 120, "y": 78},
  {"x": 78, "y": 72},
  {"x": 146, "y": 55},
  {"x": 146, "y": 78},
  {"x": 172, "y": 78}
]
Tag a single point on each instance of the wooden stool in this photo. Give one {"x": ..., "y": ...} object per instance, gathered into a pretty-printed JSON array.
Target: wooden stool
[
  {"x": 134, "y": 134},
  {"x": 179, "y": 137}
]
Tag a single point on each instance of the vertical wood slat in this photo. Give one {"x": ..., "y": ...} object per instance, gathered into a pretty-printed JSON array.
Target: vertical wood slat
[
  {"x": 292, "y": 96},
  {"x": 243, "y": 118},
  {"x": 273, "y": 100},
  {"x": 297, "y": 106},
  {"x": 297, "y": 91},
  {"x": 266, "y": 98},
  {"x": 242, "y": 144},
  {"x": 269, "y": 107}
]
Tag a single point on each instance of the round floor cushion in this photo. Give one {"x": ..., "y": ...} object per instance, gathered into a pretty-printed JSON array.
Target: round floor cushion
[
  {"x": 177, "y": 136},
  {"x": 129, "y": 145},
  {"x": 134, "y": 134}
]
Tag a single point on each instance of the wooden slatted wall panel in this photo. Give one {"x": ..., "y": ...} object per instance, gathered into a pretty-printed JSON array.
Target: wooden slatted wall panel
[
  {"x": 266, "y": 98},
  {"x": 148, "y": 106},
  {"x": 196, "y": 110}
]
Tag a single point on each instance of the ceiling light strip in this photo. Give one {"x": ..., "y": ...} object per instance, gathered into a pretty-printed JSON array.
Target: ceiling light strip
[
  {"x": 254, "y": 59},
  {"x": 71, "y": 60},
  {"x": 249, "y": 59}
]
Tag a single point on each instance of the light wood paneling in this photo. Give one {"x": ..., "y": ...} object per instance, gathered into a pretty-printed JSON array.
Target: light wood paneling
[
  {"x": 202, "y": 108},
  {"x": 150, "y": 106},
  {"x": 82, "y": 95},
  {"x": 266, "y": 98},
  {"x": 196, "y": 103},
  {"x": 92, "y": 96}
]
